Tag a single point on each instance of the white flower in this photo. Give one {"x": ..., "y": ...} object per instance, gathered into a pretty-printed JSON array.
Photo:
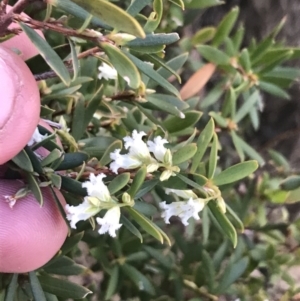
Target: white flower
[
  {"x": 137, "y": 147},
  {"x": 110, "y": 222},
  {"x": 184, "y": 210},
  {"x": 82, "y": 212},
  {"x": 96, "y": 188},
  {"x": 99, "y": 197},
  {"x": 185, "y": 194},
  {"x": 123, "y": 161},
  {"x": 36, "y": 137},
  {"x": 157, "y": 148},
  {"x": 137, "y": 156},
  {"x": 107, "y": 72}
]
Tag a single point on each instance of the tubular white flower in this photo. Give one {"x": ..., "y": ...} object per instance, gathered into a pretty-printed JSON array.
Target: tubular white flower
[
  {"x": 137, "y": 147},
  {"x": 137, "y": 156},
  {"x": 157, "y": 148},
  {"x": 185, "y": 194},
  {"x": 107, "y": 72},
  {"x": 110, "y": 222},
  {"x": 184, "y": 210},
  {"x": 82, "y": 212},
  {"x": 96, "y": 188},
  {"x": 36, "y": 137},
  {"x": 123, "y": 161}
]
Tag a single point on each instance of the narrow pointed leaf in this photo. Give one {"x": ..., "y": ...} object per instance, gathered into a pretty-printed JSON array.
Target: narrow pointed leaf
[
  {"x": 185, "y": 153},
  {"x": 49, "y": 55},
  {"x": 235, "y": 173},
  {"x": 36, "y": 288},
  {"x": 112, "y": 15},
  {"x": 213, "y": 157},
  {"x": 124, "y": 66},
  {"x": 202, "y": 144},
  {"x": 224, "y": 223}
]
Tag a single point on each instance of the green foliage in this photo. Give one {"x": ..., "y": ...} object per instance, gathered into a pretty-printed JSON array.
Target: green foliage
[{"x": 152, "y": 257}]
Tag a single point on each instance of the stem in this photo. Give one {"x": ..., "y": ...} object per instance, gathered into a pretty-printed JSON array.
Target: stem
[{"x": 7, "y": 19}]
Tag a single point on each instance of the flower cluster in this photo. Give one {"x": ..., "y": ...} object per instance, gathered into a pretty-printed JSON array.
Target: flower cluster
[
  {"x": 98, "y": 198},
  {"x": 139, "y": 154},
  {"x": 183, "y": 209}
]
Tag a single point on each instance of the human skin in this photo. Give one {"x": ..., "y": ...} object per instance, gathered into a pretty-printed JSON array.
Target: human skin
[
  {"x": 30, "y": 235},
  {"x": 19, "y": 102},
  {"x": 21, "y": 42}
]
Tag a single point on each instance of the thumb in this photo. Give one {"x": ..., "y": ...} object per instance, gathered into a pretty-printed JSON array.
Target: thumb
[{"x": 30, "y": 235}]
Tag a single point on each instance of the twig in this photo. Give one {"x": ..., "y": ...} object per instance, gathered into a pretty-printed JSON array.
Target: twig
[
  {"x": 7, "y": 19},
  {"x": 49, "y": 74},
  {"x": 93, "y": 36}
]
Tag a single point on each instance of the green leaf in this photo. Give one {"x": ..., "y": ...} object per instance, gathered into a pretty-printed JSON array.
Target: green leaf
[
  {"x": 291, "y": 183},
  {"x": 145, "y": 208},
  {"x": 75, "y": 60},
  {"x": 36, "y": 288},
  {"x": 213, "y": 157},
  {"x": 131, "y": 227},
  {"x": 202, "y": 143},
  {"x": 220, "y": 254},
  {"x": 71, "y": 243},
  {"x": 148, "y": 70},
  {"x": 191, "y": 183},
  {"x": 247, "y": 106},
  {"x": 146, "y": 187},
  {"x": 213, "y": 55},
  {"x": 205, "y": 225},
  {"x": 105, "y": 159},
  {"x": 225, "y": 26},
  {"x": 220, "y": 120},
  {"x": 232, "y": 273},
  {"x": 160, "y": 62},
  {"x": 238, "y": 37},
  {"x": 250, "y": 151},
  {"x": 139, "y": 279},
  {"x": 212, "y": 96},
  {"x": 48, "y": 54},
  {"x": 236, "y": 220},
  {"x": 163, "y": 104},
  {"x": 35, "y": 188},
  {"x": 78, "y": 119},
  {"x": 12, "y": 287},
  {"x": 136, "y": 6},
  {"x": 159, "y": 256},
  {"x": 72, "y": 186},
  {"x": 235, "y": 173},
  {"x": 63, "y": 288},
  {"x": 202, "y": 3},
  {"x": 184, "y": 153},
  {"x": 176, "y": 124},
  {"x": 36, "y": 163},
  {"x": 210, "y": 273},
  {"x": 203, "y": 35},
  {"x": 137, "y": 181},
  {"x": 153, "y": 39},
  {"x": 112, "y": 15},
  {"x": 225, "y": 225},
  {"x": 53, "y": 156},
  {"x": 237, "y": 145},
  {"x": 118, "y": 182},
  {"x": 245, "y": 60},
  {"x": 23, "y": 161},
  {"x": 125, "y": 67},
  {"x": 179, "y": 3},
  {"x": 274, "y": 90},
  {"x": 113, "y": 283},
  {"x": 146, "y": 224},
  {"x": 155, "y": 17},
  {"x": 72, "y": 160},
  {"x": 279, "y": 160}
]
